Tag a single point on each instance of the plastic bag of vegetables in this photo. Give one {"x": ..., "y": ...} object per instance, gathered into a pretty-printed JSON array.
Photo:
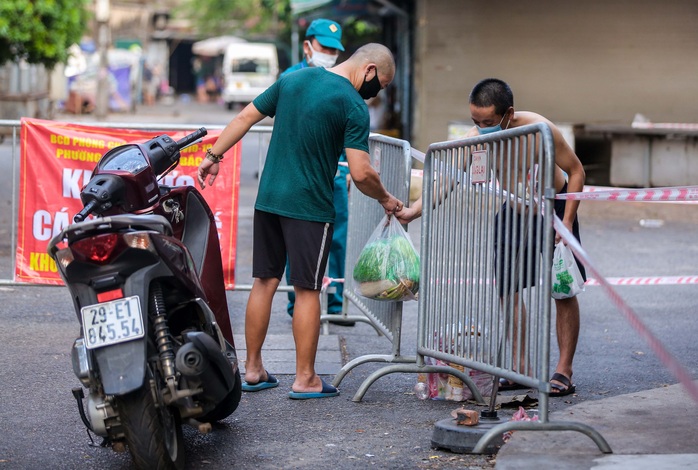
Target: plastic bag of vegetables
[{"x": 388, "y": 266}]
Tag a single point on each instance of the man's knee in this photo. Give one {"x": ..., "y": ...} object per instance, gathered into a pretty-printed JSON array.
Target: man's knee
[
  {"x": 268, "y": 283},
  {"x": 567, "y": 306},
  {"x": 303, "y": 292}
]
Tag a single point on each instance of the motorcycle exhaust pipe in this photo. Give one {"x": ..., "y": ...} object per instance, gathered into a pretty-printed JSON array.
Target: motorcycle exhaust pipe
[{"x": 204, "y": 365}]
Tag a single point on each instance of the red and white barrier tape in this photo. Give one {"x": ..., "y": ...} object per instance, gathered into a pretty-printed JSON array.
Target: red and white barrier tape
[
  {"x": 664, "y": 356},
  {"x": 673, "y": 194},
  {"x": 646, "y": 281},
  {"x": 326, "y": 281},
  {"x": 683, "y": 126},
  {"x": 613, "y": 281}
]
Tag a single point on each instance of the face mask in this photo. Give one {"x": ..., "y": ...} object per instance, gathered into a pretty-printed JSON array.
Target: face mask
[
  {"x": 370, "y": 89},
  {"x": 320, "y": 59},
  {"x": 497, "y": 128}
]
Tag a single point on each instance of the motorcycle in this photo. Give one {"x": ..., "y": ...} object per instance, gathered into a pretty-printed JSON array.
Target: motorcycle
[{"x": 155, "y": 348}]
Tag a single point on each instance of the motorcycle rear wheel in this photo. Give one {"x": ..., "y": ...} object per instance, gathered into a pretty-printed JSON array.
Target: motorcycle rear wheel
[{"x": 153, "y": 434}]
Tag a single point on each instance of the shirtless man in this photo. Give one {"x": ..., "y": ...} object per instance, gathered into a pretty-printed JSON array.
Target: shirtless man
[{"x": 492, "y": 109}]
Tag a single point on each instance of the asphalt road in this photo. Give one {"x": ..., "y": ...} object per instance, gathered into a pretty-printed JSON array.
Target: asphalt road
[{"x": 390, "y": 428}]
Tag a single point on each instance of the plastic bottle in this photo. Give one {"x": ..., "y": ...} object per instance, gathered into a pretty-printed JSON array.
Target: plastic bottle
[{"x": 421, "y": 390}]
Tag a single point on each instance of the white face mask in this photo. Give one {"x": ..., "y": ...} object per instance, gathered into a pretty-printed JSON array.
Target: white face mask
[{"x": 320, "y": 59}]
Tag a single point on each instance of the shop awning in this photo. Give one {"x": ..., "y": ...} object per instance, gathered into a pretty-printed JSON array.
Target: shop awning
[
  {"x": 301, "y": 6},
  {"x": 213, "y": 47}
]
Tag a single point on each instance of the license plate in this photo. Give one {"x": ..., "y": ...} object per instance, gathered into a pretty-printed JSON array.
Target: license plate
[{"x": 112, "y": 322}]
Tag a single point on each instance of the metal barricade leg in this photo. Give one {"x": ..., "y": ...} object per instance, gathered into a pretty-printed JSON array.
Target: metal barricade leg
[
  {"x": 393, "y": 158},
  {"x": 498, "y": 430},
  {"x": 414, "y": 368}
]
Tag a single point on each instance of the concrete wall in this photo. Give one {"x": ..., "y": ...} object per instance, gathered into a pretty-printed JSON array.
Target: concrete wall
[
  {"x": 24, "y": 91},
  {"x": 595, "y": 61}
]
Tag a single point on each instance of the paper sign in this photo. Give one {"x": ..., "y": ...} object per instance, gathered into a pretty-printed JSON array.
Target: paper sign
[{"x": 478, "y": 167}]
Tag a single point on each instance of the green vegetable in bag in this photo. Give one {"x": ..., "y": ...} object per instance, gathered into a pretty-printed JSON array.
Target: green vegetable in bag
[{"x": 388, "y": 266}]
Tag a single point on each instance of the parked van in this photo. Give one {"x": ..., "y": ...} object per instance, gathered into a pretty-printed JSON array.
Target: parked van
[{"x": 248, "y": 69}]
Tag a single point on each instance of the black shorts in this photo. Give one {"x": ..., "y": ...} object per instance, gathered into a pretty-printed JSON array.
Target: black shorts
[
  {"x": 307, "y": 245},
  {"x": 517, "y": 249}
]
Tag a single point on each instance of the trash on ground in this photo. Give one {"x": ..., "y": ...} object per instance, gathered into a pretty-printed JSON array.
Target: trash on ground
[{"x": 465, "y": 417}]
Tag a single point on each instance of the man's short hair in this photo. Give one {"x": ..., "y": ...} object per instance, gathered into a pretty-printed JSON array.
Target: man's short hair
[{"x": 492, "y": 92}]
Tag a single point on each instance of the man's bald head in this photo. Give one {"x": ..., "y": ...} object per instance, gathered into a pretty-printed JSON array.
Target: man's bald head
[{"x": 377, "y": 54}]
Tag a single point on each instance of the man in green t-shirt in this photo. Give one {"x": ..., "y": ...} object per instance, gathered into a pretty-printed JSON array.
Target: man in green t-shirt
[
  {"x": 323, "y": 42},
  {"x": 317, "y": 113}
]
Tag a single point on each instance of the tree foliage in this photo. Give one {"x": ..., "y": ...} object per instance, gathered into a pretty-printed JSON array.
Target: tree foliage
[
  {"x": 40, "y": 32},
  {"x": 238, "y": 17}
]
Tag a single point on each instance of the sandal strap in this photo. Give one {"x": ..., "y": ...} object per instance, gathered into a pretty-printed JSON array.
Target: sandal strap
[{"x": 562, "y": 379}]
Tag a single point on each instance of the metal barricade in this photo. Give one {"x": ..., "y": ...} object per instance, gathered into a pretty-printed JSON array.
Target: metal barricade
[
  {"x": 393, "y": 159},
  {"x": 11, "y": 129},
  {"x": 486, "y": 252}
]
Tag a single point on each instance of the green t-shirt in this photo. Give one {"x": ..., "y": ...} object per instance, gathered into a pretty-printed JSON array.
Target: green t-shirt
[{"x": 316, "y": 115}]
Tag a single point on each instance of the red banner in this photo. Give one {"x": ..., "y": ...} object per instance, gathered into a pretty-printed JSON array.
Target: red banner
[{"x": 57, "y": 160}]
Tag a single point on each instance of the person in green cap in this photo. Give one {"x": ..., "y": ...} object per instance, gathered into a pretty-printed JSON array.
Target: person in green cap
[
  {"x": 323, "y": 42},
  {"x": 322, "y": 45}
]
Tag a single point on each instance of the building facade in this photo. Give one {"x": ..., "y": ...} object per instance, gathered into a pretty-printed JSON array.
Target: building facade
[{"x": 590, "y": 62}]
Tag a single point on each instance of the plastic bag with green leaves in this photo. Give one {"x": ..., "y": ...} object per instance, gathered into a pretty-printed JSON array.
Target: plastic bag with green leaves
[
  {"x": 388, "y": 266},
  {"x": 567, "y": 280}
]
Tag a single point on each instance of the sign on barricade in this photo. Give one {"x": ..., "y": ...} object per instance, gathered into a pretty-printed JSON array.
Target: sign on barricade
[{"x": 57, "y": 160}]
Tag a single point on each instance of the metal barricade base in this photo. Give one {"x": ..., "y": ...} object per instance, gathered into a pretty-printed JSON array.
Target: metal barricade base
[{"x": 460, "y": 439}]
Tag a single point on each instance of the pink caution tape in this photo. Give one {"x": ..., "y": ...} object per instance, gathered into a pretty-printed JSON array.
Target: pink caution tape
[
  {"x": 673, "y": 194},
  {"x": 664, "y": 356},
  {"x": 326, "y": 281},
  {"x": 646, "y": 281}
]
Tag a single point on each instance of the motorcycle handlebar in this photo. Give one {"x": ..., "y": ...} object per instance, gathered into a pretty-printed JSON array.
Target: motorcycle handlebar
[
  {"x": 87, "y": 210},
  {"x": 191, "y": 138}
]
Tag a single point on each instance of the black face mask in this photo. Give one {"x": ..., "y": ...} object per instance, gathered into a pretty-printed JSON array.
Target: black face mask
[{"x": 370, "y": 89}]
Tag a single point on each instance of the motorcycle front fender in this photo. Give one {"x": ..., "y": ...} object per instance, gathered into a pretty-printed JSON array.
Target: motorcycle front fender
[{"x": 122, "y": 366}]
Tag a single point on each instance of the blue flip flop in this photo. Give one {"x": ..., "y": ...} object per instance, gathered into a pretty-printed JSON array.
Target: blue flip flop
[
  {"x": 271, "y": 382},
  {"x": 327, "y": 391}
]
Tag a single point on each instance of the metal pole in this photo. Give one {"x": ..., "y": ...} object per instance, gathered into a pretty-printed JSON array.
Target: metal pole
[
  {"x": 294, "y": 40},
  {"x": 404, "y": 65},
  {"x": 102, "y": 98}
]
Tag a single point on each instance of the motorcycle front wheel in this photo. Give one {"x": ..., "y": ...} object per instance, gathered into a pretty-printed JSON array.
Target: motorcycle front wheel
[{"x": 153, "y": 434}]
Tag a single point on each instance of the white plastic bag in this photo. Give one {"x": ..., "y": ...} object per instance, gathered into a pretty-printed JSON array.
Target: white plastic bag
[
  {"x": 567, "y": 280},
  {"x": 388, "y": 266}
]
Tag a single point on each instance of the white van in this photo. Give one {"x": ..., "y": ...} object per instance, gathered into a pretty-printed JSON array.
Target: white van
[{"x": 248, "y": 69}]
